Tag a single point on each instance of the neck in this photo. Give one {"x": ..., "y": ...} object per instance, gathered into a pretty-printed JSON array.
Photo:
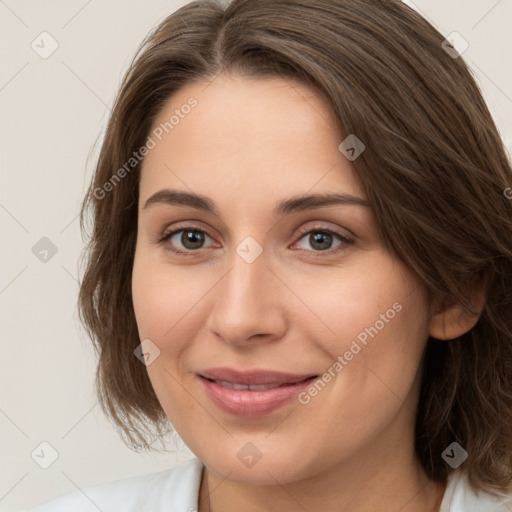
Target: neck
[
  {"x": 386, "y": 490},
  {"x": 383, "y": 474}
]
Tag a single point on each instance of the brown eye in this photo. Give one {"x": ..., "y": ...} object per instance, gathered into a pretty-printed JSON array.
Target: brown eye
[
  {"x": 321, "y": 240},
  {"x": 185, "y": 240}
]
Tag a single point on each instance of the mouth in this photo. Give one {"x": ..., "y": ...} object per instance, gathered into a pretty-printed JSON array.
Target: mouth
[
  {"x": 254, "y": 393},
  {"x": 252, "y": 387}
]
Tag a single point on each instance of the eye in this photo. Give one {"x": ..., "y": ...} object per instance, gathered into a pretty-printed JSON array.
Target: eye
[
  {"x": 321, "y": 239},
  {"x": 190, "y": 238}
]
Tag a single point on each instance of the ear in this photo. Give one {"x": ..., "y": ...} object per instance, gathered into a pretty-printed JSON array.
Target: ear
[{"x": 454, "y": 320}]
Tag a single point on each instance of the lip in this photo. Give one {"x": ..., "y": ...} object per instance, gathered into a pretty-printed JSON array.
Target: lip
[{"x": 252, "y": 403}]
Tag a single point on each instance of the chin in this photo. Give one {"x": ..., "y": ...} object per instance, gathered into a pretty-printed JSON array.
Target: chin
[{"x": 256, "y": 462}]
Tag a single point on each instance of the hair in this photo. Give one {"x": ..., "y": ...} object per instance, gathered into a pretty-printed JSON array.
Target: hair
[{"x": 435, "y": 172}]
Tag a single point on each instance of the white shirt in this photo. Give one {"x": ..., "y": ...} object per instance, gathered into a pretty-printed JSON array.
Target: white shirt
[{"x": 177, "y": 490}]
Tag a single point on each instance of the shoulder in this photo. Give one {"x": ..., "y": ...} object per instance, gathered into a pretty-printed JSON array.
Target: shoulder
[
  {"x": 460, "y": 496},
  {"x": 174, "y": 489}
]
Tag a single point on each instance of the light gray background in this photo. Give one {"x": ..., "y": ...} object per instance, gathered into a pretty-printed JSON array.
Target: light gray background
[{"x": 52, "y": 112}]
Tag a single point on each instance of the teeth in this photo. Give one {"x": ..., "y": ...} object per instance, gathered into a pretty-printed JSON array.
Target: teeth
[
  {"x": 233, "y": 385},
  {"x": 263, "y": 386}
]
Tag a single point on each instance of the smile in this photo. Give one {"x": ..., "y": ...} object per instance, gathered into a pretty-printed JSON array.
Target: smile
[
  {"x": 252, "y": 387},
  {"x": 251, "y": 394}
]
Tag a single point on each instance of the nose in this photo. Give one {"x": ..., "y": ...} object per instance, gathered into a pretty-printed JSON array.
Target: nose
[{"x": 248, "y": 304}]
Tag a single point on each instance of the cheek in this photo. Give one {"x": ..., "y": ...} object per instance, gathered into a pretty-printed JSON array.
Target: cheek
[
  {"x": 372, "y": 327},
  {"x": 169, "y": 302},
  {"x": 158, "y": 294},
  {"x": 381, "y": 329},
  {"x": 166, "y": 304},
  {"x": 371, "y": 299}
]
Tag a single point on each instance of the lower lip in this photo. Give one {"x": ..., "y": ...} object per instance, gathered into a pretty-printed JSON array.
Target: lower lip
[{"x": 250, "y": 404}]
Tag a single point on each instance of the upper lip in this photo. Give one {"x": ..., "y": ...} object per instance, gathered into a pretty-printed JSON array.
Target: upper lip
[{"x": 254, "y": 377}]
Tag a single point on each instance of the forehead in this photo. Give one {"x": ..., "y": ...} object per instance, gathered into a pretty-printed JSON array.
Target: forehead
[{"x": 259, "y": 138}]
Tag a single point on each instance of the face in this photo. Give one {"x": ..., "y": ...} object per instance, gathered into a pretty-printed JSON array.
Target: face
[{"x": 300, "y": 301}]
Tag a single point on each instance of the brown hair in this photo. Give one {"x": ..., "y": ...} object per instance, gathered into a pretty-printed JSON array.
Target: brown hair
[{"x": 434, "y": 170}]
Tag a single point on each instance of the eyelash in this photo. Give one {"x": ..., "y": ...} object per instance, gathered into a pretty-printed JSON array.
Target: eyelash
[{"x": 302, "y": 232}]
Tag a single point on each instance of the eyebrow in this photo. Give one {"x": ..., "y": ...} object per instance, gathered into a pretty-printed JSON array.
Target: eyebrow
[{"x": 285, "y": 207}]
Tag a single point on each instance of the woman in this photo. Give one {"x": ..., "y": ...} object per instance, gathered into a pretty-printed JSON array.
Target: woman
[{"x": 301, "y": 258}]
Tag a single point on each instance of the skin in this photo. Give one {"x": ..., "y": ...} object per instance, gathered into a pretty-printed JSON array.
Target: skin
[{"x": 249, "y": 143}]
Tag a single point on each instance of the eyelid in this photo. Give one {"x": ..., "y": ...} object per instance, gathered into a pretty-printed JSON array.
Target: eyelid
[
  {"x": 189, "y": 226},
  {"x": 181, "y": 226},
  {"x": 322, "y": 228}
]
